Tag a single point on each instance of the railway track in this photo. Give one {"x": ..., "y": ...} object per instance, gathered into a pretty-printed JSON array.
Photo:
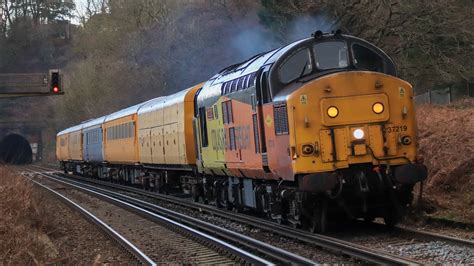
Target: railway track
[
  {"x": 377, "y": 245},
  {"x": 239, "y": 246},
  {"x": 106, "y": 229},
  {"x": 426, "y": 247},
  {"x": 356, "y": 249}
]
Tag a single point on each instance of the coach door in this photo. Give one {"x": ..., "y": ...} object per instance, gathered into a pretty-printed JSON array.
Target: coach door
[
  {"x": 157, "y": 147},
  {"x": 144, "y": 142}
]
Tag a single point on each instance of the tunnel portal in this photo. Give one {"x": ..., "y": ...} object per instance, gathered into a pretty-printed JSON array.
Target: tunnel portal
[{"x": 15, "y": 149}]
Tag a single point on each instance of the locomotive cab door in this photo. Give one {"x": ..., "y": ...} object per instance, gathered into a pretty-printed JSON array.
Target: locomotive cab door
[{"x": 262, "y": 97}]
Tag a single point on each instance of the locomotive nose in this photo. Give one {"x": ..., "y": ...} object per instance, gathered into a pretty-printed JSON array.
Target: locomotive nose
[{"x": 351, "y": 118}]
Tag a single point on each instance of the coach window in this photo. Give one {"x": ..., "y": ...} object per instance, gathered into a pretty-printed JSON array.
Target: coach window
[
  {"x": 330, "y": 55},
  {"x": 296, "y": 65},
  {"x": 366, "y": 59}
]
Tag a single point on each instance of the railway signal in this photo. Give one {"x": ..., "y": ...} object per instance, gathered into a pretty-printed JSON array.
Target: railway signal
[
  {"x": 55, "y": 81},
  {"x": 31, "y": 84}
]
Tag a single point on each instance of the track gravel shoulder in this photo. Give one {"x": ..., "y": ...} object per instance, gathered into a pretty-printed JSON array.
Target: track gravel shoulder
[
  {"x": 73, "y": 240},
  {"x": 161, "y": 244}
]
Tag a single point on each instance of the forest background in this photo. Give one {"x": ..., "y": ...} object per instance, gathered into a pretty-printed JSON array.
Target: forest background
[{"x": 115, "y": 53}]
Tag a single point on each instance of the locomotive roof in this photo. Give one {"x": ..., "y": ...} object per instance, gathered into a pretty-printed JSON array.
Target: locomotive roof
[
  {"x": 214, "y": 87},
  {"x": 254, "y": 63}
]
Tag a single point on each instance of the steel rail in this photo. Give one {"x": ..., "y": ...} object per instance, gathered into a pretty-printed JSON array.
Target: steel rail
[
  {"x": 245, "y": 218},
  {"x": 434, "y": 236},
  {"x": 151, "y": 211},
  {"x": 109, "y": 231},
  {"x": 340, "y": 246},
  {"x": 280, "y": 229}
]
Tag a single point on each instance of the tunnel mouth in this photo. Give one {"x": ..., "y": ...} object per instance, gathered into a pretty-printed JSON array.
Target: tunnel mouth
[{"x": 15, "y": 149}]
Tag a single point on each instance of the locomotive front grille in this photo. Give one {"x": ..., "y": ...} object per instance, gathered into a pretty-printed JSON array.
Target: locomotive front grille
[{"x": 343, "y": 143}]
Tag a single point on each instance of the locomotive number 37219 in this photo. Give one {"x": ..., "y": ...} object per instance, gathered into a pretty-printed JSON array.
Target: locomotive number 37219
[{"x": 395, "y": 129}]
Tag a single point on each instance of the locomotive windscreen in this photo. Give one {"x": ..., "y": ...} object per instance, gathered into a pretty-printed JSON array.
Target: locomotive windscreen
[
  {"x": 366, "y": 59},
  {"x": 330, "y": 55}
]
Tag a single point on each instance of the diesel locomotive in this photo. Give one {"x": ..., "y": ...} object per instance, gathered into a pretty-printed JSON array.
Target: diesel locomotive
[{"x": 317, "y": 129}]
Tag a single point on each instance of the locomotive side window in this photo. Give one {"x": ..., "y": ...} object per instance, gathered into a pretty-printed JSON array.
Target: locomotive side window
[
  {"x": 252, "y": 79},
  {"x": 296, "y": 65},
  {"x": 227, "y": 112},
  {"x": 234, "y": 85},
  {"x": 240, "y": 85},
  {"x": 330, "y": 55},
  {"x": 366, "y": 59},
  {"x": 203, "y": 123},
  {"x": 232, "y": 145}
]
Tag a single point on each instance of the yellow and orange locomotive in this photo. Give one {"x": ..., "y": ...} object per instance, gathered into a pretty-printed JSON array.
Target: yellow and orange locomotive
[{"x": 319, "y": 128}]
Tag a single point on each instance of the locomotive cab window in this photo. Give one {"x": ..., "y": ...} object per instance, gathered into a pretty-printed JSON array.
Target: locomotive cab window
[
  {"x": 295, "y": 66},
  {"x": 366, "y": 59},
  {"x": 331, "y": 55}
]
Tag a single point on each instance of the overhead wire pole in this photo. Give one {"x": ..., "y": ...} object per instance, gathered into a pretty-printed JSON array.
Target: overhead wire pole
[{"x": 14, "y": 85}]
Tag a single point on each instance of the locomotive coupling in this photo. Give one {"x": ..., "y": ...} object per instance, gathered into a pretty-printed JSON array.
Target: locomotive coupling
[
  {"x": 318, "y": 182},
  {"x": 411, "y": 173}
]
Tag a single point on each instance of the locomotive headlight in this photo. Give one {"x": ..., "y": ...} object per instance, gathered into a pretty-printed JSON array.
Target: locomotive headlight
[
  {"x": 333, "y": 111},
  {"x": 358, "y": 133},
  {"x": 377, "y": 108}
]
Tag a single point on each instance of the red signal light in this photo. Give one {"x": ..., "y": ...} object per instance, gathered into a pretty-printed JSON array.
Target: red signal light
[{"x": 55, "y": 81}]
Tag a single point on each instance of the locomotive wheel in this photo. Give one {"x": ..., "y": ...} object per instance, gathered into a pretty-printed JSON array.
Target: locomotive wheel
[
  {"x": 221, "y": 195},
  {"x": 318, "y": 222},
  {"x": 369, "y": 219},
  {"x": 391, "y": 217}
]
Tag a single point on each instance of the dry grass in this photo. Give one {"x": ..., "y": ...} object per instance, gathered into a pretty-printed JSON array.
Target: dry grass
[
  {"x": 23, "y": 224},
  {"x": 446, "y": 136}
]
